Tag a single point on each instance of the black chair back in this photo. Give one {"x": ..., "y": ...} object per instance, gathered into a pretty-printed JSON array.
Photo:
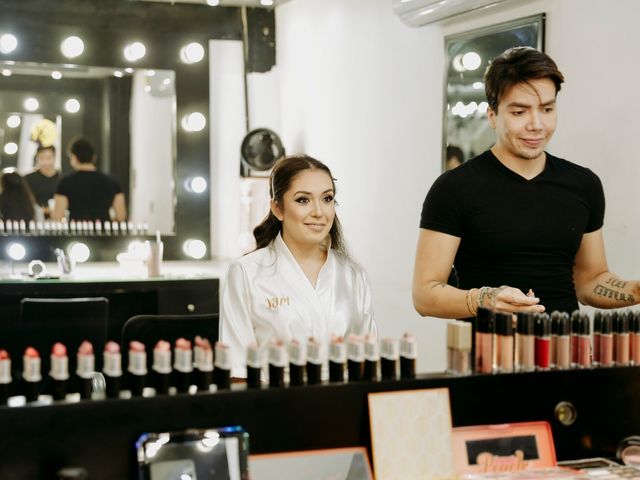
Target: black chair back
[
  {"x": 148, "y": 329},
  {"x": 45, "y": 321}
]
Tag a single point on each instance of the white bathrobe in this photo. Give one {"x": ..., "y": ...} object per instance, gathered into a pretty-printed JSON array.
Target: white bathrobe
[{"x": 267, "y": 295}]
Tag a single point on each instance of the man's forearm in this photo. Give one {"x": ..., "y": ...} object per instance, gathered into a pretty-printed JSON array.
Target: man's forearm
[
  {"x": 609, "y": 291},
  {"x": 437, "y": 299}
]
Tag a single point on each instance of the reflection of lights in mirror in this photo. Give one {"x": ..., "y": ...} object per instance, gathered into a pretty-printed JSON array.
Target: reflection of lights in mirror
[
  {"x": 196, "y": 249},
  {"x": 72, "y": 105},
  {"x": 16, "y": 251},
  {"x": 118, "y": 74},
  {"x": 14, "y": 121},
  {"x": 135, "y": 51},
  {"x": 79, "y": 252},
  {"x": 196, "y": 184},
  {"x": 11, "y": 148},
  {"x": 8, "y": 43},
  {"x": 192, "y": 53},
  {"x": 213, "y": 3},
  {"x": 266, "y": 3},
  {"x": 56, "y": 75},
  {"x": 194, "y": 122},
  {"x": 468, "y": 54},
  {"x": 150, "y": 73},
  {"x": 72, "y": 47},
  {"x": 6, "y": 72},
  {"x": 471, "y": 61},
  {"x": 31, "y": 104}
]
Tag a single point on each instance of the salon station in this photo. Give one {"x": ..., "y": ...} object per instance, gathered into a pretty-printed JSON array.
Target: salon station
[{"x": 119, "y": 333}]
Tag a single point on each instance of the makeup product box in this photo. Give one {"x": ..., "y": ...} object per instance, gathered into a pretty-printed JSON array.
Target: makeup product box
[{"x": 503, "y": 448}]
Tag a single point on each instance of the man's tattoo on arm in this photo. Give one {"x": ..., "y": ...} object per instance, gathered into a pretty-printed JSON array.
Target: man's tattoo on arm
[
  {"x": 439, "y": 284},
  {"x": 616, "y": 282},
  {"x": 603, "y": 291}
]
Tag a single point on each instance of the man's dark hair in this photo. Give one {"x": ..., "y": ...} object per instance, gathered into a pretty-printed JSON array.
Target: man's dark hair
[
  {"x": 453, "y": 151},
  {"x": 42, "y": 148},
  {"x": 83, "y": 150},
  {"x": 518, "y": 65}
]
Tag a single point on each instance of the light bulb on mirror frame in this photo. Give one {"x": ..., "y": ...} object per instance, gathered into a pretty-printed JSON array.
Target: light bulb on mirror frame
[
  {"x": 16, "y": 251},
  {"x": 195, "y": 248},
  {"x": 8, "y": 43},
  {"x": 192, "y": 53},
  {"x": 79, "y": 252},
  {"x": 194, "y": 122},
  {"x": 72, "y": 47},
  {"x": 31, "y": 104},
  {"x": 196, "y": 184}
]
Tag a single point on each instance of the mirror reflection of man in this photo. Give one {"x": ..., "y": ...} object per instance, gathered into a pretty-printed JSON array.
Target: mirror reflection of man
[
  {"x": 87, "y": 193},
  {"x": 523, "y": 227},
  {"x": 43, "y": 181}
]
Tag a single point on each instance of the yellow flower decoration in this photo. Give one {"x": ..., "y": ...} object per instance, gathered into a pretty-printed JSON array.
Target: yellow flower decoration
[{"x": 45, "y": 132}]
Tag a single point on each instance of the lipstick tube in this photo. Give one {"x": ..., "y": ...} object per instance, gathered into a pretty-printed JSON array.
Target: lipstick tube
[
  {"x": 203, "y": 362},
  {"x": 297, "y": 362},
  {"x": 606, "y": 341},
  {"x": 254, "y": 366},
  {"x": 314, "y": 362},
  {"x": 85, "y": 367},
  {"x": 634, "y": 337},
  {"x": 112, "y": 369},
  {"x": 525, "y": 343},
  {"x": 543, "y": 342},
  {"x": 615, "y": 320},
  {"x": 161, "y": 367},
  {"x": 485, "y": 329},
  {"x": 389, "y": 356},
  {"x": 584, "y": 342},
  {"x": 277, "y": 363},
  {"x": 597, "y": 331},
  {"x": 59, "y": 372},
  {"x": 553, "y": 348},
  {"x": 575, "y": 334},
  {"x": 563, "y": 342},
  {"x": 5, "y": 376},
  {"x": 371, "y": 358},
  {"x": 622, "y": 340},
  {"x": 408, "y": 356},
  {"x": 222, "y": 370},
  {"x": 355, "y": 358},
  {"x": 137, "y": 368},
  {"x": 183, "y": 364},
  {"x": 31, "y": 375},
  {"x": 337, "y": 359},
  {"x": 505, "y": 340}
]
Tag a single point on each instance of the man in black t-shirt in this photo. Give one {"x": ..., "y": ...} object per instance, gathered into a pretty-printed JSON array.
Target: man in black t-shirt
[
  {"x": 44, "y": 180},
  {"x": 516, "y": 219},
  {"x": 87, "y": 193}
]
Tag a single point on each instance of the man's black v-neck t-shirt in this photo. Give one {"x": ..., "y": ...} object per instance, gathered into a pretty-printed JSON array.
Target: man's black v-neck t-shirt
[{"x": 517, "y": 232}]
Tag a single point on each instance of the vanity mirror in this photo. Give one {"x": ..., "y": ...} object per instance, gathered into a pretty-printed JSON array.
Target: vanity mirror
[{"x": 467, "y": 56}]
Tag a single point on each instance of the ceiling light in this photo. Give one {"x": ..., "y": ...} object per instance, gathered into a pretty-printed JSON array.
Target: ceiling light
[
  {"x": 31, "y": 104},
  {"x": 194, "y": 122},
  {"x": 192, "y": 53},
  {"x": 195, "y": 248},
  {"x": 478, "y": 85},
  {"x": 72, "y": 105},
  {"x": 135, "y": 51},
  {"x": 14, "y": 121},
  {"x": 79, "y": 252},
  {"x": 16, "y": 251},
  {"x": 128, "y": 70},
  {"x": 11, "y": 148},
  {"x": 56, "y": 75},
  {"x": 150, "y": 73},
  {"x": 266, "y": 3},
  {"x": 6, "y": 72},
  {"x": 118, "y": 74},
  {"x": 213, "y": 3},
  {"x": 8, "y": 43},
  {"x": 72, "y": 47}
]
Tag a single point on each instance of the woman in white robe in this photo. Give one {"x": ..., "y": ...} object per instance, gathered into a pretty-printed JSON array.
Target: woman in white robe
[{"x": 300, "y": 282}]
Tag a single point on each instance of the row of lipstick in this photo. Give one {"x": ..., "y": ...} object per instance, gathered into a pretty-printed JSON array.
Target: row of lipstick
[
  {"x": 543, "y": 342},
  {"x": 357, "y": 357},
  {"x": 354, "y": 359},
  {"x": 72, "y": 227},
  {"x": 190, "y": 366}
]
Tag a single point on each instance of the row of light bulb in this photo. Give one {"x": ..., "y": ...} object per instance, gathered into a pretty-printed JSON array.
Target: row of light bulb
[
  {"x": 463, "y": 111},
  {"x": 79, "y": 252},
  {"x": 73, "y": 47},
  {"x": 264, "y": 3}
]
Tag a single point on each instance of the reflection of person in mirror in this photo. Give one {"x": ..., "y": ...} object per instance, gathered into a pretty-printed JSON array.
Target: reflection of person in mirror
[
  {"x": 455, "y": 157},
  {"x": 517, "y": 219},
  {"x": 43, "y": 181},
  {"x": 300, "y": 281},
  {"x": 87, "y": 193},
  {"x": 16, "y": 199}
]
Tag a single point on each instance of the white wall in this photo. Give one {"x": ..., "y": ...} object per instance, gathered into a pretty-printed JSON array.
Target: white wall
[{"x": 363, "y": 92}]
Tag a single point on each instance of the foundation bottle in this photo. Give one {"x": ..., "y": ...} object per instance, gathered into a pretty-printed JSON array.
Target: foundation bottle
[{"x": 505, "y": 342}]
